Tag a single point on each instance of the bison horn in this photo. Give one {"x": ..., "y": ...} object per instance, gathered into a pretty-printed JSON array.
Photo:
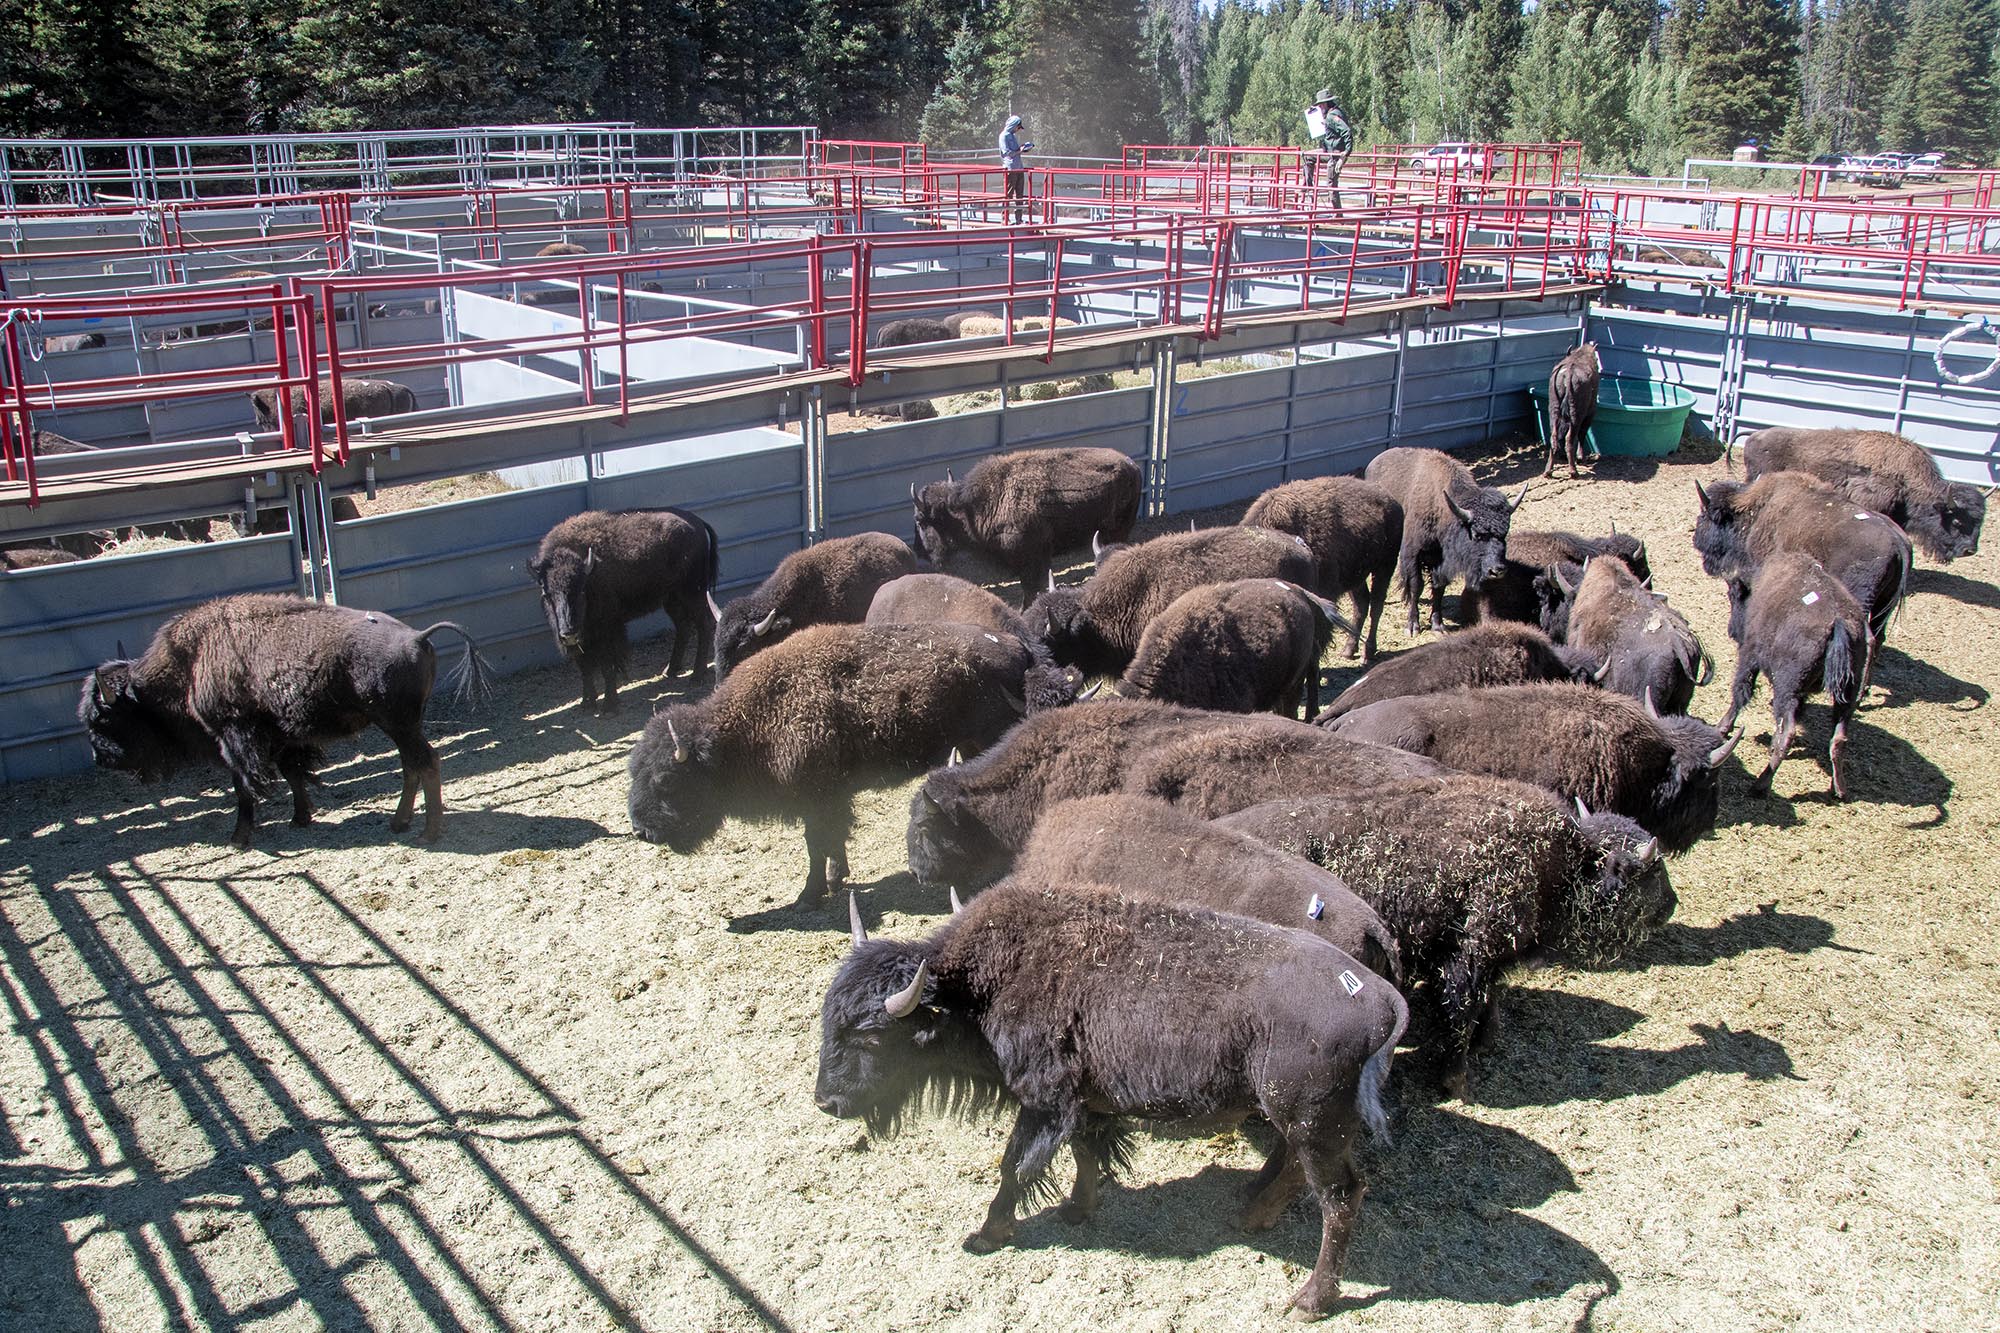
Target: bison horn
[
  {"x": 854, "y": 926},
  {"x": 948, "y": 477},
  {"x": 1096, "y": 545},
  {"x": 1052, "y": 580},
  {"x": 904, "y": 1002},
  {"x": 1568, "y": 588},
  {"x": 913, "y": 492},
  {"x": 1648, "y": 851},
  {"x": 956, "y": 905},
  {"x": 1614, "y": 527},
  {"x": 1463, "y": 517},
  {"x": 1652, "y": 709},
  {"x": 1190, "y": 525},
  {"x": 1090, "y": 693},
  {"x": 1597, "y": 676},
  {"x": 1521, "y": 495},
  {"x": 714, "y": 609},
  {"x": 955, "y": 758},
  {"x": 763, "y": 627},
  {"x": 680, "y": 747},
  {"x": 1721, "y": 752},
  {"x": 1582, "y": 810},
  {"x": 1701, "y": 495},
  {"x": 121, "y": 649}
]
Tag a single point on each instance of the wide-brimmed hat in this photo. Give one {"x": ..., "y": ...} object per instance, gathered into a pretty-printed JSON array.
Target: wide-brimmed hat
[{"x": 1325, "y": 95}]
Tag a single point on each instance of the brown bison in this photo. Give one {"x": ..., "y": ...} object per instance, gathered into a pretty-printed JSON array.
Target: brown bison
[
  {"x": 1246, "y": 646},
  {"x": 35, "y": 557},
  {"x": 798, "y": 729},
  {"x": 1496, "y": 653},
  {"x": 830, "y": 583},
  {"x": 1453, "y": 528},
  {"x": 1582, "y": 743},
  {"x": 1572, "y": 405},
  {"x": 1354, "y": 529},
  {"x": 1799, "y": 626},
  {"x": 1084, "y": 1010},
  {"x": 599, "y": 571},
  {"x": 361, "y": 398},
  {"x": 258, "y": 683},
  {"x": 73, "y": 342},
  {"x": 555, "y": 248},
  {"x": 923, "y": 599},
  {"x": 1021, "y": 509},
  {"x": 1522, "y": 590},
  {"x": 1629, "y": 640},
  {"x": 1877, "y": 470},
  {"x": 1473, "y": 874}
]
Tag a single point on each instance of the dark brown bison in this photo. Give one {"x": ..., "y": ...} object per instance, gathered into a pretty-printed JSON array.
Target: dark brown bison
[
  {"x": 1145, "y": 848},
  {"x": 1629, "y": 640},
  {"x": 1021, "y": 509},
  {"x": 35, "y": 557},
  {"x": 798, "y": 729},
  {"x": 258, "y": 683},
  {"x": 1877, "y": 470},
  {"x": 1354, "y": 529},
  {"x": 923, "y": 599},
  {"x": 1453, "y": 528},
  {"x": 1795, "y": 623},
  {"x": 363, "y": 398},
  {"x": 1246, "y": 646},
  {"x": 830, "y": 583},
  {"x": 1097, "y": 627},
  {"x": 1472, "y": 875},
  {"x": 1572, "y": 405},
  {"x": 1496, "y": 653},
  {"x": 1521, "y": 591},
  {"x": 1081, "y": 1010},
  {"x": 968, "y": 821},
  {"x": 1742, "y": 524},
  {"x": 599, "y": 571},
  {"x": 909, "y": 332},
  {"x": 1603, "y": 749}
]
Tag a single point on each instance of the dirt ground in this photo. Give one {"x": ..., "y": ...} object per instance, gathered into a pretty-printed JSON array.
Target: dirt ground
[{"x": 543, "y": 1076}]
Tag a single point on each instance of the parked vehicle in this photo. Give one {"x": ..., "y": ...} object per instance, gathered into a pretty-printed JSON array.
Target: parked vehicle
[
  {"x": 1459, "y": 158},
  {"x": 1924, "y": 167}
]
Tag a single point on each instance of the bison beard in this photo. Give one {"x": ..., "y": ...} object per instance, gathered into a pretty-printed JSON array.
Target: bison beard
[{"x": 1081, "y": 1008}]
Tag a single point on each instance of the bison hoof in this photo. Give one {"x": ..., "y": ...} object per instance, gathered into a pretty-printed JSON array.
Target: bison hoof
[
  {"x": 399, "y": 823},
  {"x": 433, "y": 830},
  {"x": 302, "y": 818},
  {"x": 981, "y": 1243},
  {"x": 1074, "y": 1213},
  {"x": 240, "y": 839},
  {"x": 1306, "y": 1314},
  {"x": 608, "y": 707}
]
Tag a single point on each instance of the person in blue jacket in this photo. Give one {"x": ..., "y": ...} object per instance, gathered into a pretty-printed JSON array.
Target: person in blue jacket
[{"x": 1011, "y": 149}]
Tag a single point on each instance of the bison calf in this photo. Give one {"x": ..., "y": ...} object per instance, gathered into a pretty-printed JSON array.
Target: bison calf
[
  {"x": 1354, "y": 530},
  {"x": 1498, "y": 653},
  {"x": 827, "y": 584},
  {"x": 1020, "y": 509},
  {"x": 1081, "y": 1010},
  {"x": 1795, "y": 623},
  {"x": 258, "y": 683},
  {"x": 1887, "y": 473},
  {"x": 599, "y": 571},
  {"x": 1629, "y": 640},
  {"x": 1246, "y": 646},
  {"x": 1572, "y": 405},
  {"x": 1453, "y": 528}
]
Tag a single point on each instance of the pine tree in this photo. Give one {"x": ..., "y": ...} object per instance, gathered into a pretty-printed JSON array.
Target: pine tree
[
  {"x": 966, "y": 103},
  {"x": 1943, "y": 88},
  {"x": 1742, "y": 67},
  {"x": 1230, "y": 56},
  {"x": 1569, "y": 84}
]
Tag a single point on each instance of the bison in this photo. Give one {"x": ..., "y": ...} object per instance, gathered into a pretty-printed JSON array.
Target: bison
[
  {"x": 1877, "y": 470},
  {"x": 259, "y": 682},
  {"x": 599, "y": 571},
  {"x": 1520, "y": 590},
  {"x": 1145, "y": 848},
  {"x": 1473, "y": 874},
  {"x": 1082, "y": 1010},
  {"x": 1453, "y": 528},
  {"x": 1354, "y": 530},
  {"x": 1799, "y": 626},
  {"x": 1097, "y": 627},
  {"x": 1021, "y": 509},
  {"x": 798, "y": 729},
  {"x": 555, "y": 248},
  {"x": 35, "y": 557},
  {"x": 1496, "y": 653},
  {"x": 1572, "y": 405},
  {"x": 923, "y": 599},
  {"x": 360, "y": 398},
  {"x": 909, "y": 332},
  {"x": 828, "y": 584},
  {"x": 1602, "y": 749},
  {"x": 1629, "y": 640},
  {"x": 1245, "y": 646},
  {"x": 968, "y": 821},
  {"x": 73, "y": 342}
]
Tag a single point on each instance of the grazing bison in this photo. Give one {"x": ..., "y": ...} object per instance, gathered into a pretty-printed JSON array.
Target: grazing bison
[
  {"x": 831, "y": 583},
  {"x": 1145, "y": 848},
  {"x": 1521, "y": 590},
  {"x": 1795, "y": 623},
  {"x": 362, "y": 398},
  {"x": 1453, "y": 528},
  {"x": 35, "y": 557},
  {"x": 1496, "y": 653},
  {"x": 1602, "y": 749},
  {"x": 1245, "y": 646},
  {"x": 1742, "y": 524},
  {"x": 599, "y": 571},
  {"x": 258, "y": 683},
  {"x": 554, "y": 248},
  {"x": 1354, "y": 529},
  {"x": 923, "y": 599},
  {"x": 968, "y": 821},
  {"x": 1081, "y": 1010},
  {"x": 908, "y": 332},
  {"x": 1097, "y": 627},
  {"x": 1572, "y": 405},
  {"x": 1020, "y": 509},
  {"x": 73, "y": 342},
  {"x": 1629, "y": 640},
  {"x": 1473, "y": 874},
  {"x": 956, "y": 323},
  {"x": 798, "y": 729},
  {"x": 1877, "y": 470}
]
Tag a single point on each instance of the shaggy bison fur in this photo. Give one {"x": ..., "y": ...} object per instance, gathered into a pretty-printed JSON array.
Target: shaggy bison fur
[
  {"x": 1083, "y": 1010},
  {"x": 828, "y": 584},
  {"x": 362, "y": 398},
  {"x": 1245, "y": 646},
  {"x": 1602, "y": 749},
  {"x": 1354, "y": 530},
  {"x": 1497, "y": 653},
  {"x": 1472, "y": 875},
  {"x": 1572, "y": 405},
  {"x": 1021, "y": 509},
  {"x": 1795, "y": 623},
  {"x": 1629, "y": 640},
  {"x": 258, "y": 683},
  {"x": 923, "y": 599},
  {"x": 1877, "y": 470},
  {"x": 1521, "y": 590},
  {"x": 599, "y": 571},
  {"x": 35, "y": 557},
  {"x": 1453, "y": 528}
]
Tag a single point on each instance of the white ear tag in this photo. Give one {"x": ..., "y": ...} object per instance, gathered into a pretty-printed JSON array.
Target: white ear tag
[
  {"x": 1316, "y": 908},
  {"x": 1351, "y": 982},
  {"x": 1810, "y": 598}
]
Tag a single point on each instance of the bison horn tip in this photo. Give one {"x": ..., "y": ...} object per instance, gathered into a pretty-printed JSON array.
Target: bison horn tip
[
  {"x": 1722, "y": 751},
  {"x": 1096, "y": 544},
  {"x": 1090, "y": 693},
  {"x": 1519, "y": 496},
  {"x": 1597, "y": 677},
  {"x": 680, "y": 747},
  {"x": 1582, "y": 810},
  {"x": 904, "y": 1002},
  {"x": 1649, "y": 851},
  {"x": 955, "y": 758},
  {"x": 956, "y": 905},
  {"x": 1652, "y": 709},
  {"x": 763, "y": 627},
  {"x": 714, "y": 607},
  {"x": 854, "y": 926},
  {"x": 1052, "y": 580}
]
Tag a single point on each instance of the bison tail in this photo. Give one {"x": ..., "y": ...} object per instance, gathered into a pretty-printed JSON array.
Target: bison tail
[
  {"x": 471, "y": 680},
  {"x": 1375, "y": 1074},
  {"x": 1837, "y": 669},
  {"x": 1329, "y": 618},
  {"x": 712, "y": 572}
]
